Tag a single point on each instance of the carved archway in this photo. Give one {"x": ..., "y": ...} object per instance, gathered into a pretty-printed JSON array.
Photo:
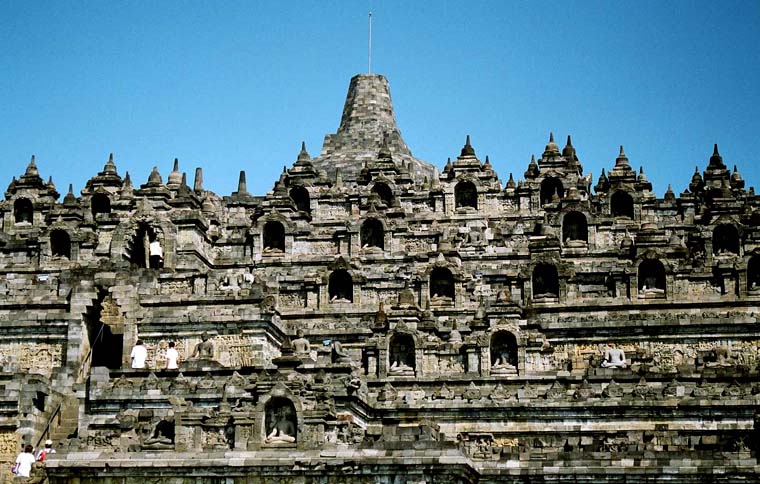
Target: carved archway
[
  {"x": 301, "y": 199},
  {"x": 621, "y": 204},
  {"x": 60, "y": 244},
  {"x": 503, "y": 351},
  {"x": 139, "y": 247},
  {"x": 545, "y": 281},
  {"x": 274, "y": 236},
  {"x": 373, "y": 234},
  {"x": 465, "y": 195},
  {"x": 725, "y": 240},
  {"x": 280, "y": 422},
  {"x": 651, "y": 277},
  {"x": 384, "y": 192},
  {"x": 574, "y": 227},
  {"x": 401, "y": 354},
  {"x": 753, "y": 273},
  {"x": 340, "y": 286},
  {"x": 23, "y": 211},
  {"x": 100, "y": 203},
  {"x": 442, "y": 283},
  {"x": 551, "y": 187}
]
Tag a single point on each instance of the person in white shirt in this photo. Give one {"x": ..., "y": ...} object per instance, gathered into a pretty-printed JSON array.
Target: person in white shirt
[
  {"x": 24, "y": 462},
  {"x": 48, "y": 449},
  {"x": 156, "y": 254},
  {"x": 172, "y": 357},
  {"x": 139, "y": 355}
]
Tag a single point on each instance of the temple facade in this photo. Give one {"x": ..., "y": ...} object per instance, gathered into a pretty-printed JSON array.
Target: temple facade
[{"x": 372, "y": 319}]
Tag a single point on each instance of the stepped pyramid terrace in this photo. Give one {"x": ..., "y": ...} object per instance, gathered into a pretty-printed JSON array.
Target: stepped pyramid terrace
[{"x": 373, "y": 319}]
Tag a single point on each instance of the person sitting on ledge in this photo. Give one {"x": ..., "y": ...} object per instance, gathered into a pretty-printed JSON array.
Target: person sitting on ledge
[{"x": 614, "y": 358}]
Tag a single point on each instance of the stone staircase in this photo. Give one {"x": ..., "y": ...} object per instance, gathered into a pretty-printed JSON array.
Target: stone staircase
[{"x": 67, "y": 421}]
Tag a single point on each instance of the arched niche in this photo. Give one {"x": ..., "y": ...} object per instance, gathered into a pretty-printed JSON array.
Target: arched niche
[
  {"x": 465, "y": 195},
  {"x": 373, "y": 234},
  {"x": 551, "y": 187},
  {"x": 280, "y": 422},
  {"x": 621, "y": 204},
  {"x": 384, "y": 192},
  {"x": 340, "y": 288},
  {"x": 442, "y": 285},
  {"x": 574, "y": 227},
  {"x": 60, "y": 244},
  {"x": 401, "y": 355},
  {"x": 162, "y": 434},
  {"x": 503, "y": 352},
  {"x": 545, "y": 281},
  {"x": 725, "y": 240},
  {"x": 651, "y": 276},
  {"x": 144, "y": 246},
  {"x": 23, "y": 212},
  {"x": 274, "y": 236},
  {"x": 105, "y": 342},
  {"x": 753, "y": 273},
  {"x": 100, "y": 203},
  {"x": 301, "y": 199}
]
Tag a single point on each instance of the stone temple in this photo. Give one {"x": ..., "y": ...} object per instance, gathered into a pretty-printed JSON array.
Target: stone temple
[{"x": 374, "y": 320}]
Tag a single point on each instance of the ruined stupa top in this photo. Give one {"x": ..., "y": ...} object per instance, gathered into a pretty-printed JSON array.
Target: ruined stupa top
[{"x": 367, "y": 119}]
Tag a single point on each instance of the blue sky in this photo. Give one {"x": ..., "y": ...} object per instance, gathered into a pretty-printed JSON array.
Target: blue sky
[{"x": 237, "y": 85}]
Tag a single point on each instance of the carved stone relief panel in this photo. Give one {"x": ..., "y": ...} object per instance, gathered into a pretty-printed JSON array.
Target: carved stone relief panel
[
  {"x": 38, "y": 358},
  {"x": 292, "y": 300},
  {"x": 9, "y": 447},
  {"x": 157, "y": 351},
  {"x": 665, "y": 356},
  {"x": 182, "y": 286}
]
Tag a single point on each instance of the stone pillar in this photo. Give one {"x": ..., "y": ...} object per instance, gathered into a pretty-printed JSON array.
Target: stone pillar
[
  {"x": 473, "y": 359},
  {"x": 372, "y": 363},
  {"x": 382, "y": 362}
]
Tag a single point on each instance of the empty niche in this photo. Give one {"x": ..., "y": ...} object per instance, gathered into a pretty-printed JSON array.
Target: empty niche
[
  {"x": 621, "y": 204},
  {"x": 545, "y": 281},
  {"x": 100, "y": 203}
]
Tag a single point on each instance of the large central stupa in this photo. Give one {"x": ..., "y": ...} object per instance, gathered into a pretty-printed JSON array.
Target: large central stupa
[{"x": 367, "y": 121}]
